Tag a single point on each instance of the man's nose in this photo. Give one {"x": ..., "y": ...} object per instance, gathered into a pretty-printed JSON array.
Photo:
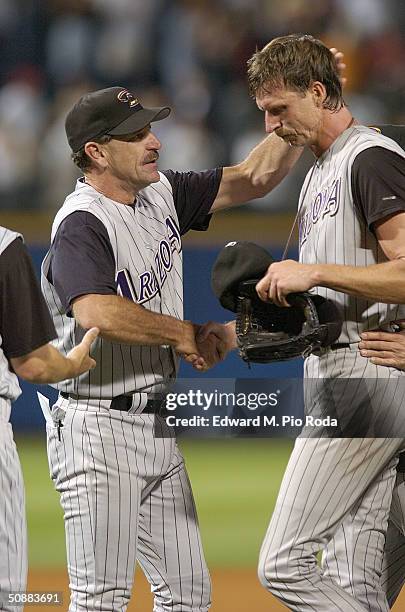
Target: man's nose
[
  {"x": 271, "y": 123},
  {"x": 154, "y": 142}
]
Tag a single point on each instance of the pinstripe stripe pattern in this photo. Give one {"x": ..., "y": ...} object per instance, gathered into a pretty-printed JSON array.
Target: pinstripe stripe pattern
[
  {"x": 13, "y": 531},
  {"x": 126, "y": 497},
  {"x": 325, "y": 479},
  {"x": 352, "y": 549},
  {"x": 336, "y": 492},
  {"x": 332, "y": 231},
  {"x": 123, "y": 486},
  {"x": 137, "y": 234}
]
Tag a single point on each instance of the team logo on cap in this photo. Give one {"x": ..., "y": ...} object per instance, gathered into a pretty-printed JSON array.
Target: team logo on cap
[{"x": 126, "y": 96}]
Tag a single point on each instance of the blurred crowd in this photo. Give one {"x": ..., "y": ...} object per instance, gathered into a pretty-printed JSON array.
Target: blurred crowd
[{"x": 190, "y": 54}]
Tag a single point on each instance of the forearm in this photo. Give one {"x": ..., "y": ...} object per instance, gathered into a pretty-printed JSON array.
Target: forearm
[
  {"x": 383, "y": 282},
  {"x": 44, "y": 365},
  {"x": 123, "y": 321},
  {"x": 268, "y": 163},
  {"x": 263, "y": 169}
]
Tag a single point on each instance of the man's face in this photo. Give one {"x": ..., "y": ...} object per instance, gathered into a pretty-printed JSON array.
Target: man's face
[
  {"x": 133, "y": 159},
  {"x": 291, "y": 115}
]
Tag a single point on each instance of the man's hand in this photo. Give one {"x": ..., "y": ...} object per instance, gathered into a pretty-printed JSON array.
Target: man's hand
[
  {"x": 79, "y": 356},
  {"x": 384, "y": 348},
  {"x": 286, "y": 277},
  {"x": 187, "y": 347},
  {"x": 225, "y": 332},
  {"x": 214, "y": 341},
  {"x": 340, "y": 65}
]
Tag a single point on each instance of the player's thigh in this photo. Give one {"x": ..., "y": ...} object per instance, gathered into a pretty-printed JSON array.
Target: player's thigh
[
  {"x": 169, "y": 547},
  {"x": 93, "y": 461},
  {"x": 354, "y": 556},
  {"x": 324, "y": 479}
]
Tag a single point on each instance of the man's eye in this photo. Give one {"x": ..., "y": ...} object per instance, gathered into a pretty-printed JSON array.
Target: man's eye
[{"x": 278, "y": 110}]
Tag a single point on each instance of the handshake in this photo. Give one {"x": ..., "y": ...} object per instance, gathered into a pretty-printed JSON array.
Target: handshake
[{"x": 206, "y": 345}]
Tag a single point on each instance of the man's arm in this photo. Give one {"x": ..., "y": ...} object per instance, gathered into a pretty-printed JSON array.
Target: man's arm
[
  {"x": 383, "y": 282},
  {"x": 121, "y": 320},
  {"x": 379, "y": 195},
  {"x": 26, "y": 326},
  {"x": 263, "y": 169},
  {"x": 47, "y": 365}
]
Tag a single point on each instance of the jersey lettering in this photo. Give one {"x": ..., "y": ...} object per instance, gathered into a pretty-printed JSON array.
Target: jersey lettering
[
  {"x": 125, "y": 286},
  {"x": 173, "y": 234},
  {"x": 326, "y": 202},
  {"x": 148, "y": 286}
]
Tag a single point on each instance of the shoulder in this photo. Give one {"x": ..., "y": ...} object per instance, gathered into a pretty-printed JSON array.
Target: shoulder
[
  {"x": 7, "y": 237},
  {"x": 363, "y": 138},
  {"x": 84, "y": 199}
]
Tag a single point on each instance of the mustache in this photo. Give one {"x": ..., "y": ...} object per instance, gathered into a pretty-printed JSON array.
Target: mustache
[{"x": 152, "y": 157}]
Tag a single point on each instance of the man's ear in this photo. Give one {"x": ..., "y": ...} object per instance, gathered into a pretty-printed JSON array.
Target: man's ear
[
  {"x": 318, "y": 91},
  {"x": 96, "y": 153}
]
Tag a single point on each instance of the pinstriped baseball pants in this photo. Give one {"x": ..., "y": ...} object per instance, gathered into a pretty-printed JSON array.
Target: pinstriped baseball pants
[
  {"x": 126, "y": 497},
  {"x": 337, "y": 494},
  {"x": 352, "y": 552},
  {"x": 13, "y": 530}
]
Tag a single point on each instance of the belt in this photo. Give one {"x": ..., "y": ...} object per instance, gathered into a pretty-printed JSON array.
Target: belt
[
  {"x": 336, "y": 347},
  {"x": 124, "y": 403}
]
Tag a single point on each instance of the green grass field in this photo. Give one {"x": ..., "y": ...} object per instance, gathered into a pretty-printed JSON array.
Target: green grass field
[{"x": 235, "y": 484}]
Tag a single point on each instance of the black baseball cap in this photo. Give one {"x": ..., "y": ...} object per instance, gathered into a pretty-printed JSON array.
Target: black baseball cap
[
  {"x": 114, "y": 111},
  {"x": 237, "y": 262}
]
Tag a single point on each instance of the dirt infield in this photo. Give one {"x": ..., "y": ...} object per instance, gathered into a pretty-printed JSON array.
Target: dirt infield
[{"x": 234, "y": 591}]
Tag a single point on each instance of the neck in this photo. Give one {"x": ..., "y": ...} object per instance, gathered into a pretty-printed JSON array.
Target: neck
[
  {"x": 113, "y": 189},
  {"x": 333, "y": 124}
]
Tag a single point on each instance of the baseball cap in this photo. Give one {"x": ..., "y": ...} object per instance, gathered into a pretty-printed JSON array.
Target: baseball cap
[
  {"x": 114, "y": 111},
  {"x": 237, "y": 262}
]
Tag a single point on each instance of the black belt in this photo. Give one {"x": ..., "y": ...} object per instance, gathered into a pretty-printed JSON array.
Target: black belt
[
  {"x": 124, "y": 403},
  {"x": 335, "y": 347}
]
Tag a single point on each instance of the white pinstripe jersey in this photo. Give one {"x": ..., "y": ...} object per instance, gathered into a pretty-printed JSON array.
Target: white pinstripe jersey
[
  {"x": 146, "y": 243},
  {"x": 333, "y": 231},
  {"x": 9, "y": 387}
]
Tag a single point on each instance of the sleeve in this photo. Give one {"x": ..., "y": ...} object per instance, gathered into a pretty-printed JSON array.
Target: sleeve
[
  {"x": 378, "y": 184},
  {"x": 82, "y": 259},
  {"x": 25, "y": 322},
  {"x": 194, "y": 194}
]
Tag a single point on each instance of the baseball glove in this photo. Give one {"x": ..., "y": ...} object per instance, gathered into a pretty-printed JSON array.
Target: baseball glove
[{"x": 267, "y": 332}]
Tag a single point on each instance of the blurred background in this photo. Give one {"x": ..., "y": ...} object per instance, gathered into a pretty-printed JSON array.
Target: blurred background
[{"x": 191, "y": 55}]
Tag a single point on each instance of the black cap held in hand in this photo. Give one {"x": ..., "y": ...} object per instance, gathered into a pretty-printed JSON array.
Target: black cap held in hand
[
  {"x": 236, "y": 262},
  {"x": 113, "y": 111}
]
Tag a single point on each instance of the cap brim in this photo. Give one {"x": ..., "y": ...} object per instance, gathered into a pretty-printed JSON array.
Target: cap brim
[{"x": 139, "y": 120}]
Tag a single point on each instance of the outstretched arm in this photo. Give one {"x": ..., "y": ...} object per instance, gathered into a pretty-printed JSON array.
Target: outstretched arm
[
  {"x": 263, "y": 169},
  {"x": 47, "y": 365}
]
